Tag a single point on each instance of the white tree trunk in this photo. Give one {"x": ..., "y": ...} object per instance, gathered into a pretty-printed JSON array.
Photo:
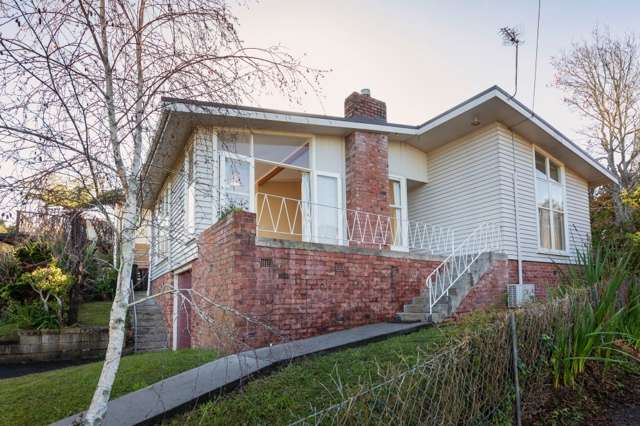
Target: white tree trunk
[{"x": 98, "y": 408}]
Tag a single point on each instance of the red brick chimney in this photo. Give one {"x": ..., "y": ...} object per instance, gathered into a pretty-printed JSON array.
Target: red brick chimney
[
  {"x": 366, "y": 158},
  {"x": 363, "y": 106}
]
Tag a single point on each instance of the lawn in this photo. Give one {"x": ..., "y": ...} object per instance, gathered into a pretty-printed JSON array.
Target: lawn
[
  {"x": 94, "y": 314},
  {"x": 42, "y": 398},
  {"x": 288, "y": 393}
]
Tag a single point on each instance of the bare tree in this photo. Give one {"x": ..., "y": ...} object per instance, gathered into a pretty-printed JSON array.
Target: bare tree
[
  {"x": 601, "y": 80},
  {"x": 80, "y": 85}
]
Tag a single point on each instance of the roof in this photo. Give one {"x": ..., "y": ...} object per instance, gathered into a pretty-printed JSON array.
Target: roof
[{"x": 180, "y": 116}]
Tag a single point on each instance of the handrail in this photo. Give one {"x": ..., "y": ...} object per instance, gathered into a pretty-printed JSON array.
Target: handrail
[
  {"x": 483, "y": 239},
  {"x": 290, "y": 218}
]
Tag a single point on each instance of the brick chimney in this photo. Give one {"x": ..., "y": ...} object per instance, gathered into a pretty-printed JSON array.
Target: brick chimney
[
  {"x": 366, "y": 158},
  {"x": 362, "y": 106}
]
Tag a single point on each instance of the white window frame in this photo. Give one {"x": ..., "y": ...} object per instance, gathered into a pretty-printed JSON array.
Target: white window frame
[
  {"x": 190, "y": 185},
  {"x": 164, "y": 221},
  {"x": 404, "y": 214},
  {"x": 224, "y": 155},
  {"x": 314, "y": 201},
  {"x": 565, "y": 221}
]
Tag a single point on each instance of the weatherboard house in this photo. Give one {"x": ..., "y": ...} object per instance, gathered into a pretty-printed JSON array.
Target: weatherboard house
[{"x": 278, "y": 225}]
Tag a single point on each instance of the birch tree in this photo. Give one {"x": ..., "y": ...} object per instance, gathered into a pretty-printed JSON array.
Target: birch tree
[
  {"x": 80, "y": 85},
  {"x": 601, "y": 80}
]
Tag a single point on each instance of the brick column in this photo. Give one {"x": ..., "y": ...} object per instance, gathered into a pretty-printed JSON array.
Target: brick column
[{"x": 367, "y": 159}]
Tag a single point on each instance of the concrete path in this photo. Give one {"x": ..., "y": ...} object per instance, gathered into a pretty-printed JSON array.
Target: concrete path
[{"x": 177, "y": 391}]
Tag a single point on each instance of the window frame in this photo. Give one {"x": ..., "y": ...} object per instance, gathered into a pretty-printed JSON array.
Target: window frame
[
  {"x": 190, "y": 189},
  {"x": 314, "y": 202},
  {"x": 562, "y": 171},
  {"x": 404, "y": 213},
  {"x": 222, "y": 155},
  {"x": 164, "y": 222}
]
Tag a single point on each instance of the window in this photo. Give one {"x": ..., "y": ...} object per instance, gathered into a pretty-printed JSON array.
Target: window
[
  {"x": 237, "y": 182},
  {"x": 163, "y": 223},
  {"x": 289, "y": 150},
  {"x": 550, "y": 203},
  {"x": 190, "y": 196},
  {"x": 396, "y": 194}
]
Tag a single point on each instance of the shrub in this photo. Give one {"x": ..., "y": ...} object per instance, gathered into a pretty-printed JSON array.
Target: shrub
[
  {"x": 49, "y": 282},
  {"x": 34, "y": 254},
  {"x": 105, "y": 286},
  {"x": 10, "y": 270},
  {"x": 31, "y": 315}
]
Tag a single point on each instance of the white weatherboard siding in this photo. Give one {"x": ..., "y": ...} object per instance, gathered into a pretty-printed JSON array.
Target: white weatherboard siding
[
  {"x": 577, "y": 203},
  {"x": 470, "y": 182},
  {"x": 183, "y": 245},
  {"x": 462, "y": 191}
]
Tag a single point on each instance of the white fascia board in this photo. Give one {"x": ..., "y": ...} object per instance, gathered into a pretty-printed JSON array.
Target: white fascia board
[
  {"x": 287, "y": 118},
  {"x": 497, "y": 93}
]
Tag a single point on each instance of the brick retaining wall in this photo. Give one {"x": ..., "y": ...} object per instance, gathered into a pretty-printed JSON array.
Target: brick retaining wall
[{"x": 252, "y": 295}]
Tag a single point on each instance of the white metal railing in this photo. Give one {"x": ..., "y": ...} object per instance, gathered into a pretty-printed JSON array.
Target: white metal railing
[
  {"x": 485, "y": 238},
  {"x": 290, "y": 218}
]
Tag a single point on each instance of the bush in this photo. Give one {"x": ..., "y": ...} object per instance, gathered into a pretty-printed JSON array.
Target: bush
[
  {"x": 10, "y": 270},
  {"x": 52, "y": 285},
  {"x": 34, "y": 254},
  {"x": 105, "y": 286},
  {"x": 31, "y": 316}
]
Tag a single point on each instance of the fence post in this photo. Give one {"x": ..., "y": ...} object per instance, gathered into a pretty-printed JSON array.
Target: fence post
[{"x": 516, "y": 382}]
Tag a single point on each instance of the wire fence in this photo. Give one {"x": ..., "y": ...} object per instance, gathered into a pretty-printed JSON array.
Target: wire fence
[{"x": 470, "y": 381}]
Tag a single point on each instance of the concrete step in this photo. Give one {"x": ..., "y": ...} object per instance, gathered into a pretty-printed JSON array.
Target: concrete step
[
  {"x": 436, "y": 317},
  {"x": 415, "y": 307},
  {"x": 411, "y": 316}
]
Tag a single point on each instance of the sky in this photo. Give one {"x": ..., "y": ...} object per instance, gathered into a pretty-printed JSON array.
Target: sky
[{"x": 423, "y": 57}]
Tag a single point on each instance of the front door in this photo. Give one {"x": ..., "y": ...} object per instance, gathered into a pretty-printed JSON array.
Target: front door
[{"x": 183, "y": 325}]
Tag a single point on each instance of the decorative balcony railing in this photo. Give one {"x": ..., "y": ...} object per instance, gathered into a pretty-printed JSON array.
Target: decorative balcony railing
[{"x": 293, "y": 219}]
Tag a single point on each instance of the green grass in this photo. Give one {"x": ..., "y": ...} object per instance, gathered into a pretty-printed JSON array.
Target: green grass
[
  {"x": 42, "y": 398},
  {"x": 94, "y": 314},
  {"x": 288, "y": 394}
]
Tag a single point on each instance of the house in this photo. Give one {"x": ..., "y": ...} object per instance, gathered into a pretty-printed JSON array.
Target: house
[{"x": 285, "y": 225}]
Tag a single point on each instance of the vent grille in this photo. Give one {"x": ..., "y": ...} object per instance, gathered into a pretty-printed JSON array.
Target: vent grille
[
  {"x": 339, "y": 267},
  {"x": 266, "y": 262}
]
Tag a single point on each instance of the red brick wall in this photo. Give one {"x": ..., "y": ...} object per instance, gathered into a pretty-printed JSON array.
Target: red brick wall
[
  {"x": 367, "y": 175},
  {"x": 281, "y": 294},
  {"x": 222, "y": 280},
  {"x": 490, "y": 290},
  {"x": 544, "y": 275},
  {"x": 357, "y": 105},
  {"x": 309, "y": 292}
]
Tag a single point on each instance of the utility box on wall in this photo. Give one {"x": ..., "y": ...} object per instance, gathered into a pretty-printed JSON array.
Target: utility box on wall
[{"x": 520, "y": 294}]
